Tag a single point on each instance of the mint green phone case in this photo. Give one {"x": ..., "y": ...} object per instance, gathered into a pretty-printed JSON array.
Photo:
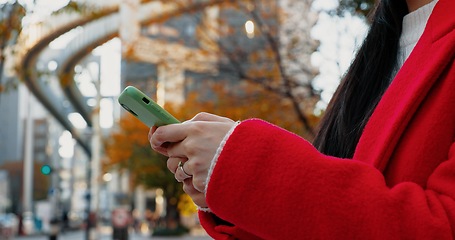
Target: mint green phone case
[{"x": 144, "y": 108}]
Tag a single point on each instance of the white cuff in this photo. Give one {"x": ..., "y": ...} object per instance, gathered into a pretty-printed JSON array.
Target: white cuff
[
  {"x": 217, "y": 154},
  {"x": 203, "y": 209}
]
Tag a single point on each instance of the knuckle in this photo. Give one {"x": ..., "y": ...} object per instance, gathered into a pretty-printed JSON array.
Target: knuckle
[
  {"x": 194, "y": 165},
  {"x": 199, "y": 184},
  {"x": 200, "y": 116},
  {"x": 188, "y": 166},
  {"x": 191, "y": 146},
  {"x": 196, "y": 128}
]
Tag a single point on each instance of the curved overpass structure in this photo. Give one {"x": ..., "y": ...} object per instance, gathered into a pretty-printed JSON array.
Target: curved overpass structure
[{"x": 96, "y": 29}]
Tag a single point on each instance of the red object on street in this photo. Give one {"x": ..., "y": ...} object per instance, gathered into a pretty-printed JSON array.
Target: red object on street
[{"x": 120, "y": 217}]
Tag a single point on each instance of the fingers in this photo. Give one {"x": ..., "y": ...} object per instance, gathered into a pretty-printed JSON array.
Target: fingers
[
  {"x": 162, "y": 148},
  {"x": 197, "y": 196},
  {"x": 190, "y": 147},
  {"x": 181, "y": 174},
  {"x": 172, "y": 163},
  {"x": 183, "y": 171},
  {"x": 151, "y": 131},
  {"x": 166, "y": 134},
  {"x": 177, "y": 166},
  {"x": 160, "y": 138}
]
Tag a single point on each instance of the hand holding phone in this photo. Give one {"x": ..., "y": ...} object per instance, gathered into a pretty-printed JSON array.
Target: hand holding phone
[{"x": 144, "y": 108}]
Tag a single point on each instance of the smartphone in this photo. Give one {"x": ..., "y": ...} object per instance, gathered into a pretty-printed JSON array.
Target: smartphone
[{"x": 145, "y": 109}]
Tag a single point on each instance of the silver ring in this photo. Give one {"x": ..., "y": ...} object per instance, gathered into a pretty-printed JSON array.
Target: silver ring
[{"x": 183, "y": 170}]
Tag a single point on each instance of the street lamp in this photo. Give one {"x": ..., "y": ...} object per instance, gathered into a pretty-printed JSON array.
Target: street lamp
[{"x": 249, "y": 28}]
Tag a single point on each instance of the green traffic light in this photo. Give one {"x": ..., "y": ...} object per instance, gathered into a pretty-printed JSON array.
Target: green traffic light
[{"x": 46, "y": 169}]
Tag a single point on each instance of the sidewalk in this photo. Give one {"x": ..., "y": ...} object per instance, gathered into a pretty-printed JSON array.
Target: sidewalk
[{"x": 106, "y": 234}]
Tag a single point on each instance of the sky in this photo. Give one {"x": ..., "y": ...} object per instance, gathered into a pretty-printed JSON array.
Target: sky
[{"x": 340, "y": 37}]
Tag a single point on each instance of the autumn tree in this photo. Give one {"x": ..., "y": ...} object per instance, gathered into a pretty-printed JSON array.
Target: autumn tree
[
  {"x": 273, "y": 53},
  {"x": 244, "y": 101},
  {"x": 279, "y": 59},
  {"x": 11, "y": 14},
  {"x": 128, "y": 149},
  {"x": 270, "y": 48}
]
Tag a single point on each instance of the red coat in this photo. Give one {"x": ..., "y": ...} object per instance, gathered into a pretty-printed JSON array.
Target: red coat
[{"x": 400, "y": 184}]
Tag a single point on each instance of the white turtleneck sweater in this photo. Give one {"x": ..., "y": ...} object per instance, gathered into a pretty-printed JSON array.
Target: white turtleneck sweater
[{"x": 413, "y": 26}]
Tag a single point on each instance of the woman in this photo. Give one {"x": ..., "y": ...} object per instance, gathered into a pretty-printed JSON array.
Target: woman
[{"x": 382, "y": 165}]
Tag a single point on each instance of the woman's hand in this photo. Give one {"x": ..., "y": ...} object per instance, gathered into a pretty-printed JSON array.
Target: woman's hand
[{"x": 194, "y": 143}]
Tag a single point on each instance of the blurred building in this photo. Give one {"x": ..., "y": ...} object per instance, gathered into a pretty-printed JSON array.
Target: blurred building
[
  {"x": 12, "y": 107},
  {"x": 17, "y": 106},
  {"x": 5, "y": 201},
  {"x": 163, "y": 58}
]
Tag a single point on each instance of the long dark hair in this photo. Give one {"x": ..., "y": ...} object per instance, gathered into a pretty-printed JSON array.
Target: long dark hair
[{"x": 364, "y": 83}]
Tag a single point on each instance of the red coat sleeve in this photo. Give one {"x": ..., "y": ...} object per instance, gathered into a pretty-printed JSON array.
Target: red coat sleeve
[{"x": 297, "y": 192}]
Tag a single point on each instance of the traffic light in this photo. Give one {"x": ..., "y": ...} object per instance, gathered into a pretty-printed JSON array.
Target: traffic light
[{"x": 46, "y": 169}]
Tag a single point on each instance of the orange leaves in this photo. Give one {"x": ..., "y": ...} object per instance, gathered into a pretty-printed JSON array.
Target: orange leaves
[
  {"x": 136, "y": 130},
  {"x": 128, "y": 148},
  {"x": 244, "y": 101},
  {"x": 119, "y": 146}
]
